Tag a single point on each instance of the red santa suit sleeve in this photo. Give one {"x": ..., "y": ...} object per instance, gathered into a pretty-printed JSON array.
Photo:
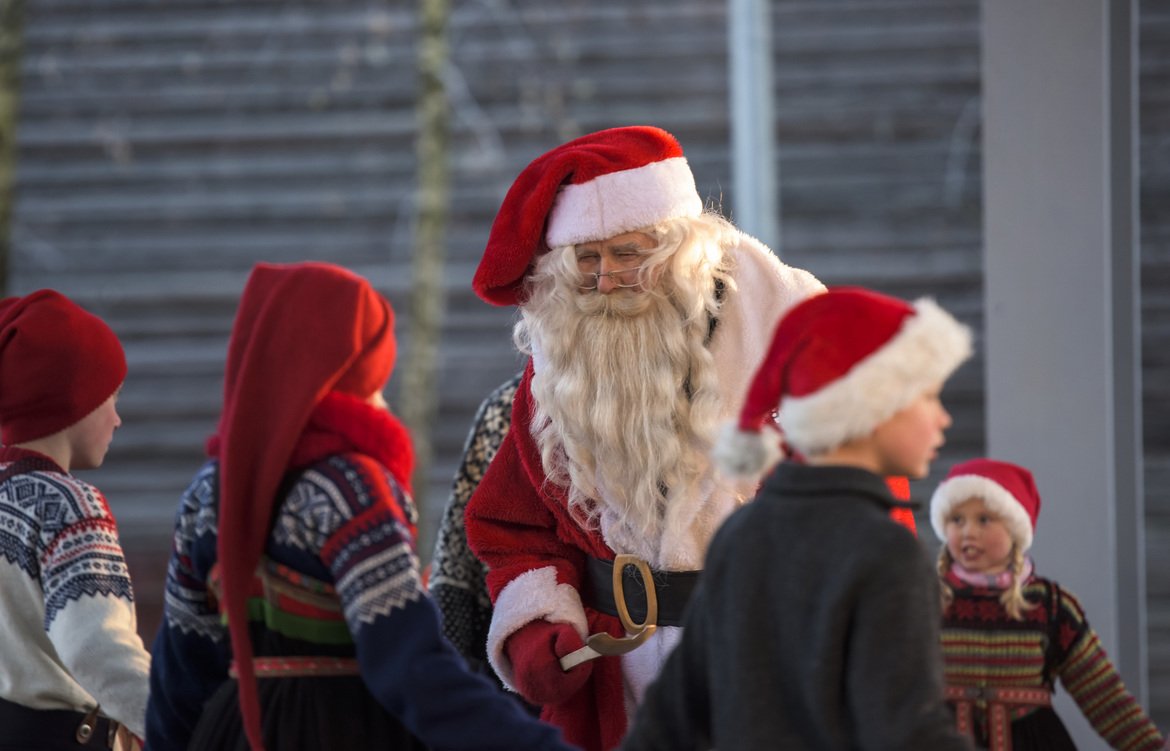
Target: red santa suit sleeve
[{"x": 519, "y": 526}]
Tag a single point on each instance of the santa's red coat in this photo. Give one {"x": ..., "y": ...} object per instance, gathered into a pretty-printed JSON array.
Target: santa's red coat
[{"x": 519, "y": 525}]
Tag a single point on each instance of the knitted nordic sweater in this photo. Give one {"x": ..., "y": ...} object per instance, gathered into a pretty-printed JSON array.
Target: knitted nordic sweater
[
  {"x": 983, "y": 647},
  {"x": 347, "y": 522},
  {"x": 457, "y": 577},
  {"x": 68, "y": 629}
]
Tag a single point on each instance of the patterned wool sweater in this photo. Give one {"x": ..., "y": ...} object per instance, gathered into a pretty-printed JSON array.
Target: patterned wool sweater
[
  {"x": 984, "y": 647},
  {"x": 68, "y": 635},
  {"x": 458, "y": 578},
  {"x": 345, "y": 521}
]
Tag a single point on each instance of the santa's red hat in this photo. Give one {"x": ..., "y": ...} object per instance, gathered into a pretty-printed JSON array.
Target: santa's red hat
[
  {"x": 1007, "y": 490},
  {"x": 301, "y": 331},
  {"x": 591, "y": 188},
  {"x": 840, "y": 364},
  {"x": 58, "y": 363}
]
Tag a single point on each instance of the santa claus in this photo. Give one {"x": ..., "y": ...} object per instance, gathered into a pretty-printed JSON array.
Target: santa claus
[{"x": 643, "y": 317}]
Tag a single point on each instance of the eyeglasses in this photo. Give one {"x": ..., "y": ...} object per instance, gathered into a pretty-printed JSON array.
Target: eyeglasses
[{"x": 623, "y": 278}]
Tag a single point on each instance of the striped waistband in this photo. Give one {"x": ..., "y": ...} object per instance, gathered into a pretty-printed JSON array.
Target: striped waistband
[
  {"x": 999, "y": 701},
  {"x": 1021, "y": 697},
  {"x": 299, "y": 667}
]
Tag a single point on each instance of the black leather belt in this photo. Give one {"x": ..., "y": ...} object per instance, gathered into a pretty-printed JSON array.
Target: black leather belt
[
  {"x": 673, "y": 589},
  {"x": 52, "y": 729}
]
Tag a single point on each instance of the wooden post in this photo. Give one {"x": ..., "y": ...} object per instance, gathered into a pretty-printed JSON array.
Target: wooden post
[
  {"x": 419, "y": 391},
  {"x": 11, "y": 23}
]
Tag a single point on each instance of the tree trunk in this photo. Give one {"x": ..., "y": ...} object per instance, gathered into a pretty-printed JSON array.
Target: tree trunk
[
  {"x": 11, "y": 17},
  {"x": 419, "y": 377}
]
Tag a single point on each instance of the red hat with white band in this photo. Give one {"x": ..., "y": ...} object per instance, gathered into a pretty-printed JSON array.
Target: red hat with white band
[
  {"x": 591, "y": 188},
  {"x": 840, "y": 364}
]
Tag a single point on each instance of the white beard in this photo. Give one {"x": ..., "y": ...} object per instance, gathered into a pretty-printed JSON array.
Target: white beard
[{"x": 613, "y": 420}]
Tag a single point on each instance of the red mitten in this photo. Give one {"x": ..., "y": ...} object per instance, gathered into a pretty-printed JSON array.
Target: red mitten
[{"x": 535, "y": 652}]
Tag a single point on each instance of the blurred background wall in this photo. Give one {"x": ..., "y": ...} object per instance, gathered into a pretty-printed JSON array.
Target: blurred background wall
[{"x": 162, "y": 148}]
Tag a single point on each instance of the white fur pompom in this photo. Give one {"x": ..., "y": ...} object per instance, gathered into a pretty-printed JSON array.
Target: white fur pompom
[{"x": 743, "y": 455}]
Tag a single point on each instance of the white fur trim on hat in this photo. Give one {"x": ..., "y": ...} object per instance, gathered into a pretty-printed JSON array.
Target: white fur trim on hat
[
  {"x": 532, "y": 596},
  {"x": 620, "y": 202},
  {"x": 927, "y": 349},
  {"x": 742, "y": 454},
  {"x": 957, "y": 490}
]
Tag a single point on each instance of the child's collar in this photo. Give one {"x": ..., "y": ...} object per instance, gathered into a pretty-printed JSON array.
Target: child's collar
[
  {"x": 16, "y": 453},
  {"x": 1001, "y": 580}
]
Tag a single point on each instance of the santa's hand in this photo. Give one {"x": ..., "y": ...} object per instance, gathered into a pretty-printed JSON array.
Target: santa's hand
[{"x": 535, "y": 651}]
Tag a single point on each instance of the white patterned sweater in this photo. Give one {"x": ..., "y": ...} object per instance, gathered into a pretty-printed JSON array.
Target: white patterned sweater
[{"x": 68, "y": 629}]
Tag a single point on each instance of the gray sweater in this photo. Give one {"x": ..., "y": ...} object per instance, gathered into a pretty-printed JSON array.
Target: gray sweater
[{"x": 815, "y": 626}]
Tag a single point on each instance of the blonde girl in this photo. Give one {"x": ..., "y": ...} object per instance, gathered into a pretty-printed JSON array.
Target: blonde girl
[{"x": 1008, "y": 634}]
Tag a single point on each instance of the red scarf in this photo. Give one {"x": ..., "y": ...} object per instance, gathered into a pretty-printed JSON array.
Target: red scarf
[{"x": 341, "y": 423}]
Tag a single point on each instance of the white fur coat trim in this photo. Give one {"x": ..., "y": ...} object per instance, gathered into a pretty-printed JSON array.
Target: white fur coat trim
[
  {"x": 530, "y": 597},
  {"x": 761, "y": 290},
  {"x": 928, "y": 348},
  {"x": 641, "y": 666}
]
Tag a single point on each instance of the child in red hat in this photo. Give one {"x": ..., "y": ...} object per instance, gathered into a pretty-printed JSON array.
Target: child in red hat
[
  {"x": 813, "y": 625},
  {"x": 75, "y": 669},
  {"x": 1009, "y": 634},
  {"x": 300, "y": 531}
]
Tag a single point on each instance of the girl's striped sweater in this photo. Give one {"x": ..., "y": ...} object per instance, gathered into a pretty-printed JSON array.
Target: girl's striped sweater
[{"x": 983, "y": 647}]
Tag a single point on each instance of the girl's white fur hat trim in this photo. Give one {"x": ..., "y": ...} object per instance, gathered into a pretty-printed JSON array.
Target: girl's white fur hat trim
[{"x": 955, "y": 491}]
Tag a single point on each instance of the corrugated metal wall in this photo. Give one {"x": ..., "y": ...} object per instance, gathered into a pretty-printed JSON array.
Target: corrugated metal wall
[{"x": 166, "y": 147}]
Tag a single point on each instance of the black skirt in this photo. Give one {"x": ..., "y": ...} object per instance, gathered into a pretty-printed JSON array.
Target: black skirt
[
  {"x": 1040, "y": 730},
  {"x": 303, "y": 714}
]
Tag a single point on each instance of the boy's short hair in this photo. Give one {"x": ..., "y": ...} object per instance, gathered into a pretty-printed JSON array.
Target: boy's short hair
[
  {"x": 58, "y": 363},
  {"x": 841, "y": 363}
]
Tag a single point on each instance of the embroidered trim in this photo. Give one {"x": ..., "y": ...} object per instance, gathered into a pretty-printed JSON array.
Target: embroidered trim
[{"x": 299, "y": 667}]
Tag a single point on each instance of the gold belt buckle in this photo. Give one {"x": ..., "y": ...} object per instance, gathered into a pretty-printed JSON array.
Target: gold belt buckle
[{"x": 597, "y": 645}]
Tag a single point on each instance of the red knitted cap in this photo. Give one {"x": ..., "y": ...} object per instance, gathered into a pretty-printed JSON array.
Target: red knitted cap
[
  {"x": 58, "y": 363},
  {"x": 301, "y": 331},
  {"x": 592, "y": 188}
]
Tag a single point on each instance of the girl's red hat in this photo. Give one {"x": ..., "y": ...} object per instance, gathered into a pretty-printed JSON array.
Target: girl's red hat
[{"x": 1008, "y": 491}]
